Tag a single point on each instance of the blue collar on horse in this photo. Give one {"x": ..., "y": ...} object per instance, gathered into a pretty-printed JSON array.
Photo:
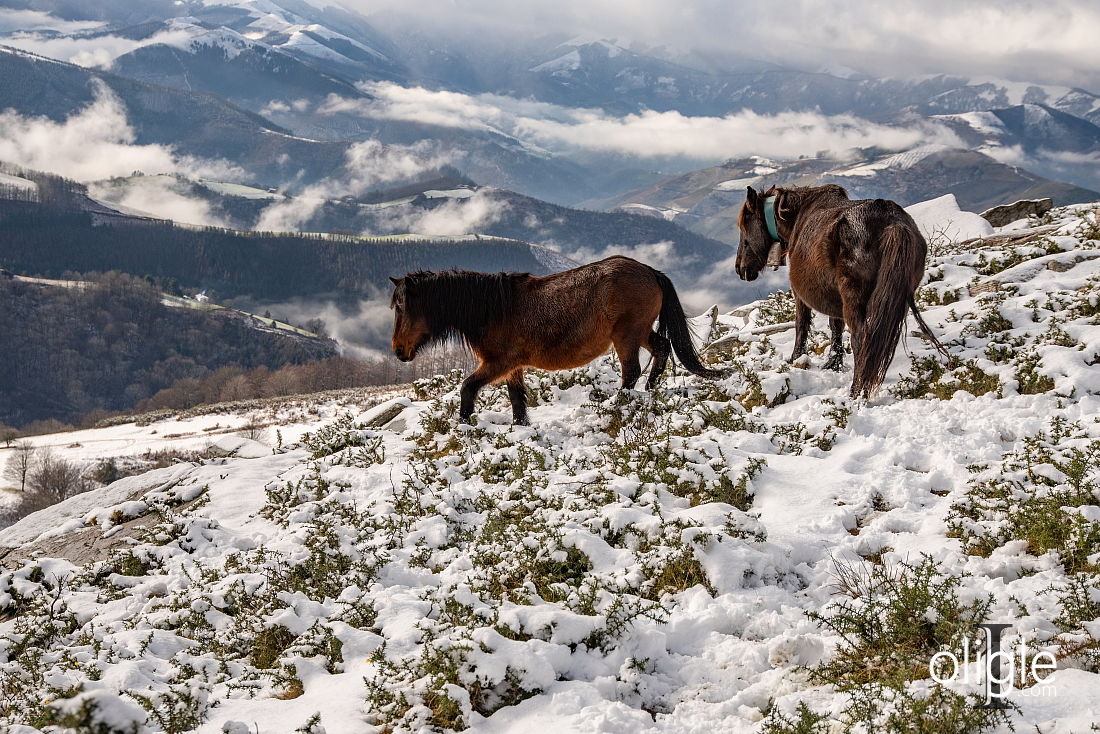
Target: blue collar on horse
[{"x": 777, "y": 253}]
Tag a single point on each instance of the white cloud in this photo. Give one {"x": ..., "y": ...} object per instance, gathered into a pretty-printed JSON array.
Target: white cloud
[
  {"x": 362, "y": 329},
  {"x": 453, "y": 217},
  {"x": 90, "y": 51},
  {"x": 97, "y": 143},
  {"x": 1069, "y": 157},
  {"x": 367, "y": 164},
  {"x": 160, "y": 196},
  {"x": 648, "y": 134},
  {"x": 35, "y": 20},
  {"x": 1052, "y": 41}
]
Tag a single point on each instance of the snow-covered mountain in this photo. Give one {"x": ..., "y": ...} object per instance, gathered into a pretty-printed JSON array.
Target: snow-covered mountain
[
  {"x": 708, "y": 200},
  {"x": 1046, "y": 140},
  {"x": 758, "y": 553},
  {"x": 308, "y": 68}
]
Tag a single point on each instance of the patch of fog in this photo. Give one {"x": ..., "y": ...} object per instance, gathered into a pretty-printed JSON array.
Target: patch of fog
[{"x": 367, "y": 164}]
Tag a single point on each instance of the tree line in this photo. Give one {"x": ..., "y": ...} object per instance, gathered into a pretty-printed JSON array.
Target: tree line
[
  {"x": 65, "y": 231},
  {"x": 232, "y": 383},
  {"x": 68, "y": 352}
]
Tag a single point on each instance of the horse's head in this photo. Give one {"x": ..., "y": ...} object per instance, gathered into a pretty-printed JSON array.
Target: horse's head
[
  {"x": 752, "y": 252},
  {"x": 410, "y": 321}
]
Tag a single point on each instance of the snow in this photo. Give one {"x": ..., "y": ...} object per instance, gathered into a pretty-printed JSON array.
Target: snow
[
  {"x": 666, "y": 213},
  {"x": 304, "y": 43},
  {"x": 460, "y": 193},
  {"x": 187, "y": 34},
  {"x": 327, "y": 33},
  {"x": 736, "y": 184},
  {"x": 941, "y": 218},
  {"x": 982, "y": 122},
  {"x": 239, "y": 190},
  {"x": 565, "y": 63},
  {"x": 18, "y": 182},
  {"x": 1016, "y": 92},
  {"x": 904, "y": 160},
  {"x": 465, "y": 546}
]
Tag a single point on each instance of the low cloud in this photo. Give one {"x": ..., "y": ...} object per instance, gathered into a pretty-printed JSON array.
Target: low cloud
[
  {"x": 95, "y": 143},
  {"x": 647, "y": 134},
  {"x": 362, "y": 329},
  {"x": 1070, "y": 158},
  {"x": 718, "y": 284},
  {"x": 368, "y": 164},
  {"x": 1049, "y": 42},
  {"x": 90, "y": 51},
  {"x": 160, "y": 196},
  {"x": 12, "y": 20},
  {"x": 454, "y": 217}
]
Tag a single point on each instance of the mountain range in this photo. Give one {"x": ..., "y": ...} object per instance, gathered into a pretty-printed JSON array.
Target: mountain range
[
  {"x": 325, "y": 120},
  {"x": 707, "y": 201},
  {"x": 309, "y": 69}
]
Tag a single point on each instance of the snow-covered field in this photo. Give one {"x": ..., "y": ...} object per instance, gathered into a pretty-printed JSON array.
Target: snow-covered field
[{"x": 755, "y": 554}]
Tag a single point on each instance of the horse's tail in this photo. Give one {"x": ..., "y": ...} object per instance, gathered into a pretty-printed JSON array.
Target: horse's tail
[
  {"x": 902, "y": 255},
  {"x": 673, "y": 325},
  {"x": 927, "y": 331}
]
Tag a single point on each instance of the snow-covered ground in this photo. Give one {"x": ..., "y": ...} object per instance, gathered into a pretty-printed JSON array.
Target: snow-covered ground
[{"x": 731, "y": 556}]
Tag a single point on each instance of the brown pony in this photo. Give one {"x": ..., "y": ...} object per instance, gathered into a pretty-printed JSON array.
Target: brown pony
[
  {"x": 858, "y": 262},
  {"x": 515, "y": 320}
]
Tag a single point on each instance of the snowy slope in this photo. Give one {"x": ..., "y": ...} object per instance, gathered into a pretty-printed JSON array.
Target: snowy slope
[
  {"x": 942, "y": 219},
  {"x": 631, "y": 562}
]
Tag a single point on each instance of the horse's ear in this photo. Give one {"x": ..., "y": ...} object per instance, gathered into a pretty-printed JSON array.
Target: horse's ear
[
  {"x": 782, "y": 206},
  {"x": 395, "y": 281},
  {"x": 750, "y": 195}
]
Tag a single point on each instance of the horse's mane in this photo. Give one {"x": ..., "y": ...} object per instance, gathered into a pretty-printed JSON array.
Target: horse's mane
[
  {"x": 799, "y": 196},
  {"x": 462, "y": 304}
]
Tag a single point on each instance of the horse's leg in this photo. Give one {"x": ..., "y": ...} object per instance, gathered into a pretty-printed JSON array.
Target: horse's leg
[
  {"x": 836, "y": 346},
  {"x": 518, "y": 395},
  {"x": 627, "y": 349},
  {"x": 660, "y": 348},
  {"x": 854, "y": 306},
  {"x": 802, "y": 318},
  {"x": 479, "y": 378}
]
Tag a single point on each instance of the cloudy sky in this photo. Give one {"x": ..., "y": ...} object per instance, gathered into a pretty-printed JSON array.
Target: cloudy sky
[{"x": 1048, "y": 41}]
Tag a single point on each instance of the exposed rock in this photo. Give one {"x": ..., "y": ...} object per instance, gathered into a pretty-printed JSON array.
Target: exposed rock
[
  {"x": 382, "y": 414},
  {"x": 1010, "y": 239},
  {"x": 69, "y": 529},
  {"x": 1004, "y": 214},
  {"x": 1059, "y": 262}
]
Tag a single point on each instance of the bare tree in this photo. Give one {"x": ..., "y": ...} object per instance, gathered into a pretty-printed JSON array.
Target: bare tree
[
  {"x": 254, "y": 429},
  {"x": 19, "y": 464},
  {"x": 8, "y": 434},
  {"x": 237, "y": 388},
  {"x": 55, "y": 478}
]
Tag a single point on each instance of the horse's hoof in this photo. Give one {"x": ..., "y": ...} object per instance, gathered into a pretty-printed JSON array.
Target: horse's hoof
[
  {"x": 802, "y": 361},
  {"x": 467, "y": 419}
]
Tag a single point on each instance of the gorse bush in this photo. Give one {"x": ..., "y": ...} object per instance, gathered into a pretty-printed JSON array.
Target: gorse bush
[
  {"x": 891, "y": 620},
  {"x": 615, "y": 553},
  {"x": 1035, "y": 495}
]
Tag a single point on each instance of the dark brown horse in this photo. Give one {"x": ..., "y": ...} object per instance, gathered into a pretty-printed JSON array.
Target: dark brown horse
[
  {"x": 858, "y": 262},
  {"x": 515, "y": 320}
]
